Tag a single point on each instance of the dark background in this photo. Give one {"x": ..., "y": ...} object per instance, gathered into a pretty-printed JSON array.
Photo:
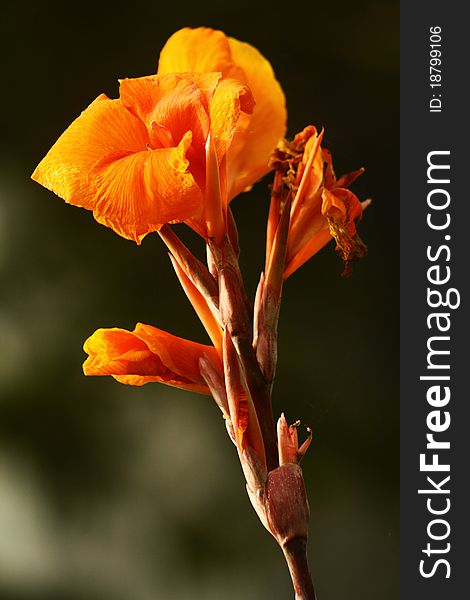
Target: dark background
[{"x": 119, "y": 493}]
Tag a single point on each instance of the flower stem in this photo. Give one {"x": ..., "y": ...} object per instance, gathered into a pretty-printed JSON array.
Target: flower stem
[
  {"x": 295, "y": 552},
  {"x": 237, "y": 318}
]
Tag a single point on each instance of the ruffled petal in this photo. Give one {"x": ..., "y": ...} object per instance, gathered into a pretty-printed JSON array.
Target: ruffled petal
[
  {"x": 136, "y": 194},
  {"x": 104, "y": 127},
  {"x": 148, "y": 355},
  {"x": 203, "y": 49},
  {"x": 177, "y": 102}
]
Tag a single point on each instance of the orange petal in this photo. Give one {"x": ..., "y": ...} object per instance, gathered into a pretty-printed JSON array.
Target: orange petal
[
  {"x": 334, "y": 217},
  {"x": 330, "y": 177},
  {"x": 308, "y": 223},
  {"x": 101, "y": 163},
  {"x": 102, "y": 128},
  {"x": 202, "y": 50},
  {"x": 349, "y": 178},
  {"x": 321, "y": 209},
  {"x": 171, "y": 105},
  {"x": 252, "y": 146},
  {"x": 309, "y": 174},
  {"x": 177, "y": 102},
  {"x": 138, "y": 193},
  {"x": 148, "y": 354},
  {"x": 230, "y": 99},
  {"x": 214, "y": 219},
  {"x": 318, "y": 238}
]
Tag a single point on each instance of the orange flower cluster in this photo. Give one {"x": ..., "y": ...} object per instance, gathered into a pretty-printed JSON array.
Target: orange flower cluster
[{"x": 177, "y": 147}]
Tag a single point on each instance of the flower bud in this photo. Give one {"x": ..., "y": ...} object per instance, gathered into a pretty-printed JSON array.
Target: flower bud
[
  {"x": 288, "y": 442},
  {"x": 282, "y": 505},
  {"x": 286, "y": 502}
]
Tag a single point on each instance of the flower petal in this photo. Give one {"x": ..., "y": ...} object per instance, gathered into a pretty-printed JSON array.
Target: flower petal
[
  {"x": 203, "y": 50},
  {"x": 102, "y": 128},
  {"x": 200, "y": 50},
  {"x": 310, "y": 171},
  {"x": 178, "y": 102},
  {"x": 341, "y": 208},
  {"x": 146, "y": 355},
  {"x": 319, "y": 237},
  {"x": 331, "y": 213},
  {"x": 231, "y": 99},
  {"x": 136, "y": 194},
  {"x": 249, "y": 155}
]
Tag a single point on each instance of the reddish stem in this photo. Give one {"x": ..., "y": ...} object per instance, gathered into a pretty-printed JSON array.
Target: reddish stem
[
  {"x": 295, "y": 552},
  {"x": 237, "y": 317}
]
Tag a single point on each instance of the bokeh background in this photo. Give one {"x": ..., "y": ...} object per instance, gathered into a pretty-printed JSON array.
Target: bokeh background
[{"x": 115, "y": 493}]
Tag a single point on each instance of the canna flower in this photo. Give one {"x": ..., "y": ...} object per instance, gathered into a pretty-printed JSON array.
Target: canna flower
[
  {"x": 322, "y": 206},
  {"x": 204, "y": 50},
  {"x": 148, "y": 354},
  {"x": 176, "y": 146}
]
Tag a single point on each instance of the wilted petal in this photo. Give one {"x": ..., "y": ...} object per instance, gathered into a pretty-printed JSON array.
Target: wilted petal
[
  {"x": 341, "y": 208},
  {"x": 321, "y": 208},
  {"x": 331, "y": 215}
]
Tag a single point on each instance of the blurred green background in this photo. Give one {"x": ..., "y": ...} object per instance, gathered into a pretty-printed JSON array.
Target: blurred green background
[{"x": 115, "y": 493}]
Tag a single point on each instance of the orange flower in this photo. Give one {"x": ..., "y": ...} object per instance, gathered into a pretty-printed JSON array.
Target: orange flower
[
  {"x": 175, "y": 147},
  {"x": 322, "y": 207},
  {"x": 149, "y": 354},
  {"x": 201, "y": 50}
]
